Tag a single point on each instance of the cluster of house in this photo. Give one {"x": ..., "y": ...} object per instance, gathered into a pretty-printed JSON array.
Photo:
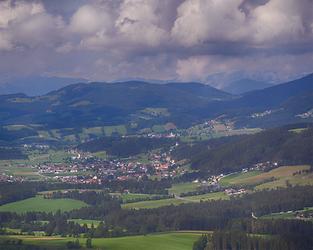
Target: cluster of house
[
  {"x": 262, "y": 114},
  {"x": 233, "y": 191},
  {"x": 305, "y": 215},
  {"x": 306, "y": 115},
  {"x": 10, "y": 178},
  {"x": 262, "y": 166},
  {"x": 86, "y": 169},
  {"x": 57, "y": 168},
  {"x": 36, "y": 146},
  {"x": 161, "y": 135}
]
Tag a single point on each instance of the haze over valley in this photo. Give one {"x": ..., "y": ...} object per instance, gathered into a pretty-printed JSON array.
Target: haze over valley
[{"x": 150, "y": 124}]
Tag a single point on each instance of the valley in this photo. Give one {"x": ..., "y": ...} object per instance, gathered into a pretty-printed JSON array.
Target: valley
[{"x": 155, "y": 173}]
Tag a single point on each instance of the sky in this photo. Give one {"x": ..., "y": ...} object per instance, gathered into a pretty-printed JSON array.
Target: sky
[{"x": 181, "y": 40}]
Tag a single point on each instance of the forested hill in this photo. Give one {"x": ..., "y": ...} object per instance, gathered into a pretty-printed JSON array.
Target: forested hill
[
  {"x": 284, "y": 145},
  {"x": 96, "y": 104},
  {"x": 125, "y": 146},
  {"x": 100, "y": 104},
  {"x": 286, "y": 103}
]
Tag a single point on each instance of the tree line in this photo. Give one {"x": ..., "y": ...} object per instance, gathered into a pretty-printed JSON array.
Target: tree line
[
  {"x": 228, "y": 155},
  {"x": 214, "y": 216}
]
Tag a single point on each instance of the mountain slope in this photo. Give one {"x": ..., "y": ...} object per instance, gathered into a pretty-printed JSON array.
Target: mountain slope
[
  {"x": 35, "y": 85},
  {"x": 142, "y": 105},
  {"x": 283, "y": 145},
  {"x": 244, "y": 85},
  {"x": 274, "y": 106},
  {"x": 110, "y": 104}
]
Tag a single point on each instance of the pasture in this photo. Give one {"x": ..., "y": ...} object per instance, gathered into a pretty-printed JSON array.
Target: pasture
[
  {"x": 272, "y": 179},
  {"x": 15, "y": 169},
  {"x": 39, "y": 204},
  {"x": 175, "y": 201},
  {"x": 184, "y": 187},
  {"x": 300, "y": 180},
  {"x": 237, "y": 178},
  {"x": 129, "y": 197},
  {"x": 89, "y": 223},
  {"x": 153, "y": 204},
  {"x": 287, "y": 215},
  {"x": 166, "y": 241}
]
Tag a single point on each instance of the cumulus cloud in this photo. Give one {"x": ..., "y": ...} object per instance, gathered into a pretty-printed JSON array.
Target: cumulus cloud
[
  {"x": 177, "y": 39},
  {"x": 27, "y": 24},
  {"x": 11, "y": 11},
  {"x": 281, "y": 21},
  {"x": 201, "y": 21},
  {"x": 138, "y": 22},
  {"x": 90, "y": 19}
]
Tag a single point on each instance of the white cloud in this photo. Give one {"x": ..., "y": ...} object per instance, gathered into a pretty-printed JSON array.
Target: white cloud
[
  {"x": 38, "y": 30},
  {"x": 276, "y": 68},
  {"x": 185, "y": 39},
  {"x": 280, "y": 21},
  {"x": 138, "y": 22},
  {"x": 5, "y": 43},
  {"x": 25, "y": 23},
  {"x": 90, "y": 19},
  {"x": 201, "y": 21},
  {"x": 10, "y": 11}
]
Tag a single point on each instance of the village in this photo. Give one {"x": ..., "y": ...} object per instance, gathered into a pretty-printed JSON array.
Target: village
[{"x": 85, "y": 168}]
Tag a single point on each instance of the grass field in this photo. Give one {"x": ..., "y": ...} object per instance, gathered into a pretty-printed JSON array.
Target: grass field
[
  {"x": 153, "y": 204},
  {"x": 128, "y": 197},
  {"x": 87, "y": 222},
  {"x": 237, "y": 178},
  {"x": 21, "y": 171},
  {"x": 285, "y": 215},
  {"x": 40, "y": 204},
  {"x": 301, "y": 180},
  {"x": 165, "y": 241},
  {"x": 272, "y": 179},
  {"x": 101, "y": 154},
  {"x": 183, "y": 188},
  {"x": 175, "y": 201},
  {"x": 72, "y": 135},
  {"x": 208, "y": 197}
]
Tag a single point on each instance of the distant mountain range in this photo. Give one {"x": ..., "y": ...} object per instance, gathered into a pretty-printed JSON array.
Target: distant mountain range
[
  {"x": 41, "y": 85},
  {"x": 244, "y": 85},
  {"x": 140, "y": 105},
  {"x": 96, "y": 104},
  {"x": 278, "y": 105},
  {"x": 35, "y": 85}
]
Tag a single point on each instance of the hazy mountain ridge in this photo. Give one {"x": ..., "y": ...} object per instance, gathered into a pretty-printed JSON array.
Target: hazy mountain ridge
[
  {"x": 244, "y": 85},
  {"x": 94, "y": 104},
  {"x": 35, "y": 85},
  {"x": 105, "y": 103}
]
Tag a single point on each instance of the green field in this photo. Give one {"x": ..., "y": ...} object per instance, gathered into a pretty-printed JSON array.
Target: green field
[
  {"x": 101, "y": 154},
  {"x": 237, "y": 178},
  {"x": 300, "y": 180},
  {"x": 72, "y": 135},
  {"x": 39, "y": 204},
  {"x": 87, "y": 222},
  {"x": 286, "y": 215},
  {"x": 153, "y": 204},
  {"x": 271, "y": 179},
  {"x": 175, "y": 201},
  {"x": 183, "y": 187},
  {"x": 208, "y": 197},
  {"x": 166, "y": 241},
  {"x": 129, "y": 197},
  {"x": 19, "y": 170}
]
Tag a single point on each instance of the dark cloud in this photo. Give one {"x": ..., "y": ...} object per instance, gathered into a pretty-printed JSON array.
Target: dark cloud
[{"x": 177, "y": 39}]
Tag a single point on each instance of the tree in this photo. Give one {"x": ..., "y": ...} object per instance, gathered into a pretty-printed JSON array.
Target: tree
[
  {"x": 201, "y": 243},
  {"x": 89, "y": 243}
]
